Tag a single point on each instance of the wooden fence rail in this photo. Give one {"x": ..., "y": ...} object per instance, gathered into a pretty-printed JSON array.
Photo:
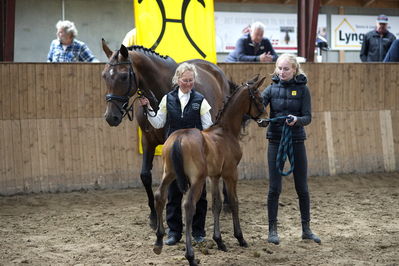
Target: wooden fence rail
[{"x": 53, "y": 136}]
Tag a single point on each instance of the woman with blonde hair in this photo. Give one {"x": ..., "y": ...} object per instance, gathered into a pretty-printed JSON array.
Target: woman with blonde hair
[
  {"x": 288, "y": 96},
  {"x": 183, "y": 107}
]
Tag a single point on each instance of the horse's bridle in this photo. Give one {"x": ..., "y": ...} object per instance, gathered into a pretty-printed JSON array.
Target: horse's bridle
[
  {"x": 259, "y": 105},
  {"x": 124, "y": 99}
]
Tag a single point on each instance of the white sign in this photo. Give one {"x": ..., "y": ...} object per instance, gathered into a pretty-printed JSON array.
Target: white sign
[
  {"x": 281, "y": 29},
  {"x": 347, "y": 32}
]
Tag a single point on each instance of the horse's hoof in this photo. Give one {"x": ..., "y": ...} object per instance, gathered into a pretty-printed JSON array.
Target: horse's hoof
[
  {"x": 157, "y": 249},
  {"x": 194, "y": 262},
  {"x": 243, "y": 243},
  {"x": 222, "y": 247}
]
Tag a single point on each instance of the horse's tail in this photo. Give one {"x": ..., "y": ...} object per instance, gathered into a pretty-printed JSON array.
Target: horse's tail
[{"x": 177, "y": 160}]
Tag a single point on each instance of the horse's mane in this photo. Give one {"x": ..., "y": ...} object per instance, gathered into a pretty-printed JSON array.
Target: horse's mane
[
  {"x": 234, "y": 88},
  {"x": 149, "y": 52}
]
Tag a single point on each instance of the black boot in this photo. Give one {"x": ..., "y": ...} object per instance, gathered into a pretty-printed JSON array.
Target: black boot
[
  {"x": 307, "y": 233},
  {"x": 273, "y": 236}
]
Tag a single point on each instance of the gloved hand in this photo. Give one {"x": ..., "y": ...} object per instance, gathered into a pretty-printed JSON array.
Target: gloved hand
[{"x": 262, "y": 122}]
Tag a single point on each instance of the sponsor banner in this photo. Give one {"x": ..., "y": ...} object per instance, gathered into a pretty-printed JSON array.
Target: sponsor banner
[
  {"x": 347, "y": 32},
  {"x": 281, "y": 29},
  {"x": 181, "y": 29}
]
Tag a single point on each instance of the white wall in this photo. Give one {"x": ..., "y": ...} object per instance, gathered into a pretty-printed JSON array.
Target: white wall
[
  {"x": 95, "y": 19},
  {"x": 112, "y": 19}
]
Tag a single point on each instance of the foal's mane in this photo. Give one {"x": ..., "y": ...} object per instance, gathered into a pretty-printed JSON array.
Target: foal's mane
[{"x": 234, "y": 88}]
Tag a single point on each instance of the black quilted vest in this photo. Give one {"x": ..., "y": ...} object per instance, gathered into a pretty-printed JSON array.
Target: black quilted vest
[{"x": 191, "y": 116}]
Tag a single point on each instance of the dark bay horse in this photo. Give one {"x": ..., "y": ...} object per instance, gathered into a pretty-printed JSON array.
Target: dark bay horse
[
  {"x": 139, "y": 69},
  {"x": 190, "y": 155}
]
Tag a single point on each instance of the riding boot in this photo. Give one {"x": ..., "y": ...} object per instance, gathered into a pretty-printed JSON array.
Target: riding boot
[
  {"x": 307, "y": 233},
  {"x": 273, "y": 236}
]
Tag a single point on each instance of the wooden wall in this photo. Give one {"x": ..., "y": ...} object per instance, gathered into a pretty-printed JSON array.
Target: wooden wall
[{"x": 53, "y": 136}]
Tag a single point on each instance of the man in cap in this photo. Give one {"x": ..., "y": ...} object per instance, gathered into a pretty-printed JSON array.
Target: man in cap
[{"x": 376, "y": 43}]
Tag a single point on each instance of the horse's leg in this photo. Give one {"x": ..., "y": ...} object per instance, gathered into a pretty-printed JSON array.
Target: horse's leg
[
  {"x": 190, "y": 202},
  {"x": 160, "y": 201},
  {"x": 231, "y": 186},
  {"x": 146, "y": 179},
  {"x": 216, "y": 209}
]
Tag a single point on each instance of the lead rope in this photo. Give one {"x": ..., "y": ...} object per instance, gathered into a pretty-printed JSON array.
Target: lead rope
[{"x": 285, "y": 148}]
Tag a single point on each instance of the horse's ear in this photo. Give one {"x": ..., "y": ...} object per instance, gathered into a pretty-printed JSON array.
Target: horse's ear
[
  {"x": 124, "y": 51},
  {"x": 106, "y": 49},
  {"x": 259, "y": 82}
]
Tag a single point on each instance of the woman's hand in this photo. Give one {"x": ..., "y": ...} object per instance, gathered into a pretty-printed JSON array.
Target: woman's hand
[
  {"x": 144, "y": 101},
  {"x": 291, "y": 120}
]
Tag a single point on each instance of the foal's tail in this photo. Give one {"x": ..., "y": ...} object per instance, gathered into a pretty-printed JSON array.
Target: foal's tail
[{"x": 177, "y": 159}]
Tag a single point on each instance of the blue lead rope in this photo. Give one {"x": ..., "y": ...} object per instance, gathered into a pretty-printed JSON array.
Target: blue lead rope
[{"x": 285, "y": 148}]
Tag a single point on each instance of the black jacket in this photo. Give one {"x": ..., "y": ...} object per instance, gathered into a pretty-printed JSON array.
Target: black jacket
[
  {"x": 191, "y": 116},
  {"x": 375, "y": 47},
  {"x": 288, "y": 97},
  {"x": 245, "y": 50}
]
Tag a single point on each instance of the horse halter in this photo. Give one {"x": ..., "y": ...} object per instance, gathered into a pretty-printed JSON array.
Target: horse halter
[
  {"x": 253, "y": 100},
  {"x": 124, "y": 99}
]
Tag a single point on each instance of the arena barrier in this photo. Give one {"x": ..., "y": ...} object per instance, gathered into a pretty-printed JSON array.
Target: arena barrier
[{"x": 53, "y": 137}]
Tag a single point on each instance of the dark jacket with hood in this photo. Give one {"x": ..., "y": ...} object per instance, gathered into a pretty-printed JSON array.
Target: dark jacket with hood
[{"x": 288, "y": 97}]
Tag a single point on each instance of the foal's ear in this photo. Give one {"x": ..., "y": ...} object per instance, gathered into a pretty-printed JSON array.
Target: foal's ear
[
  {"x": 106, "y": 49},
  {"x": 254, "y": 79},
  {"x": 124, "y": 51},
  {"x": 259, "y": 82}
]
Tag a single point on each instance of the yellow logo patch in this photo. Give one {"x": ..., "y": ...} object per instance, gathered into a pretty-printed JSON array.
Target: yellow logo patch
[{"x": 293, "y": 93}]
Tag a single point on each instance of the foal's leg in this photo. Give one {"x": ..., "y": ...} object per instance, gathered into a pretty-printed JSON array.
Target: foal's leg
[
  {"x": 216, "y": 209},
  {"x": 146, "y": 179},
  {"x": 190, "y": 202},
  {"x": 160, "y": 200},
  {"x": 231, "y": 186}
]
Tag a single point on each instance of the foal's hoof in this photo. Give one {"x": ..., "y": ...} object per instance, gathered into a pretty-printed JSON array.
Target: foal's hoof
[{"x": 157, "y": 249}]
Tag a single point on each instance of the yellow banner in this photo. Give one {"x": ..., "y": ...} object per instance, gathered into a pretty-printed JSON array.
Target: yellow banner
[{"x": 181, "y": 29}]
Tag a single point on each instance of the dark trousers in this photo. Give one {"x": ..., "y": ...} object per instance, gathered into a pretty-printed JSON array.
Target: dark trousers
[
  {"x": 300, "y": 179},
  {"x": 174, "y": 212}
]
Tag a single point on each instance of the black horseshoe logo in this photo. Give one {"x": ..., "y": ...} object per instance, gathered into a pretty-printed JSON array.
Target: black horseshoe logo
[{"x": 182, "y": 21}]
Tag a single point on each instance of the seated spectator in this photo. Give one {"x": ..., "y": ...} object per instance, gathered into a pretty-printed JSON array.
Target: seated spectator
[
  {"x": 376, "y": 43},
  {"x": 253, "y": 47},
  {"x": 66, "y": 48},
  {"x": 393, "y": 53}
]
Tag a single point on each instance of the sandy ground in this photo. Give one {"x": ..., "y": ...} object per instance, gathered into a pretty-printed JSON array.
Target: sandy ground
[{"x": 356, "y": 216}]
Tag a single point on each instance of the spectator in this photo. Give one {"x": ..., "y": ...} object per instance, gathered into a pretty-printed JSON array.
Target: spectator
[
  {"x": 253, "y": 47},
  {"x": 130, "y": 38},
  {"x": 66, "y": 48},
  {"x": 376, "y": 43},
  {"x": 182, "y": 100},
  {"x": 288, "y": 95},
  {"x": 393, "y": 53}
]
